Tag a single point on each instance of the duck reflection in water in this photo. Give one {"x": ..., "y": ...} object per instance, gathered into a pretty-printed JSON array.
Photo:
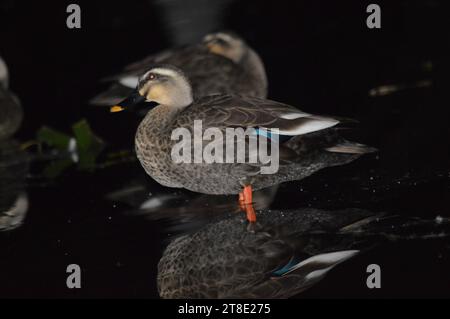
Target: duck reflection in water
[
  {"x": 13, "y": 198},
  {"x": 286, "y": 255},
  {"x": 289, "y": 253}
]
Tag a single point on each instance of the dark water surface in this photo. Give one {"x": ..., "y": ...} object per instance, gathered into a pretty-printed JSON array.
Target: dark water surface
[{"x": 319, "y": 56}]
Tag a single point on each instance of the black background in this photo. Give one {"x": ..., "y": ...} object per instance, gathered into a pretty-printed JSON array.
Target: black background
[{"x": 319, "y": 56}]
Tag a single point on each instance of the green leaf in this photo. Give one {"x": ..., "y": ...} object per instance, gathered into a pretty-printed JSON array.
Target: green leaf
[
  {"x": 89, "y": 145},
  {"x": 53, "y": 138}
]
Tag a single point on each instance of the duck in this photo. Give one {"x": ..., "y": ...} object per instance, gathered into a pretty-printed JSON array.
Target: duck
[
  {"x": 221, "y": 63},
  {"x": 291, "y": 252},
  {"x": 305, "y": 143},
  {"x": 11, "y": 113}
]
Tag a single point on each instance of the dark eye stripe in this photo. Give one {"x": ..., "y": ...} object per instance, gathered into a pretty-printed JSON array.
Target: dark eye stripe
[{"x": 221, "y": 41}]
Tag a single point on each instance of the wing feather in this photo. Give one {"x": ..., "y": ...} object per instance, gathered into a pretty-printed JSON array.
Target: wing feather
[{"x": 224, "y": 111}]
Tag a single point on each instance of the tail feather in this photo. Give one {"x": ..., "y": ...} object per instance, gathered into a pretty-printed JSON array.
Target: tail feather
[{"x": 348, "y": 147}]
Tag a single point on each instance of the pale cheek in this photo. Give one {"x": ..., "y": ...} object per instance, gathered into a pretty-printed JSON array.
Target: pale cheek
[
  {"x": 156, "y": 93},
  {"x": 216, "y": 49}
]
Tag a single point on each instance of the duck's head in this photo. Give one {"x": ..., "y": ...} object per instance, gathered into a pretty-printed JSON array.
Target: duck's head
[
  {"x": 163, "y": 84},
  {"x": 226, "y": 44}
]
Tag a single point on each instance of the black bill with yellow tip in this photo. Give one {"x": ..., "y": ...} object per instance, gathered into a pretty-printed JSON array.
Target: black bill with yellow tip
[{"x": 133, "y": 99}]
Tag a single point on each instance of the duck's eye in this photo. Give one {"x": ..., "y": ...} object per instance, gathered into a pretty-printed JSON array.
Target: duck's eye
[
  {"x": 151, "y": 76},
  {"x": 221, "y": 42}
]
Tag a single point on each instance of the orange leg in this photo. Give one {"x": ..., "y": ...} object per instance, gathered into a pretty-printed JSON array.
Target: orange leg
[
  {"x": 241, "y": 201},
  {"x": 248, "y": 203}
]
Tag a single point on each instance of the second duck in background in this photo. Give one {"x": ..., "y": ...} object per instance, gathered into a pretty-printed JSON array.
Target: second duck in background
[{"x": 222, "y": 63}]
